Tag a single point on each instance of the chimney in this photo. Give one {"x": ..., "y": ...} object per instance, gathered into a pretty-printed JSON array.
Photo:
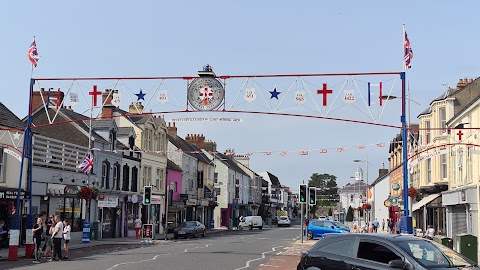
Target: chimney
[
  {"x": 244, "y": 160},
  {"x": 461, "y": 83},
  {"x": 107, "y": 108},
  {"x": 210, "y": 146},
  {"x": 172, "y": 129},
  {"x": 196, "y": 139},
  {"x": 135, "y": 107},
  {"x": 56, "y": 98}
]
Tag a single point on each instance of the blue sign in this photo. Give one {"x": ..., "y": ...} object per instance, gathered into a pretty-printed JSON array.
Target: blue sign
[
  {"x": 86, "y": 232},
  {"x": 212, "y": 224}
]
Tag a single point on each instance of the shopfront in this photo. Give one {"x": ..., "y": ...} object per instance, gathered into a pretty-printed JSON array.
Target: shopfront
[
  {"x": 132, "y": 211},
  {"x": 8, "y": 205},
  {"x": 110, "y": 216},
  {"x": 461, "y": 211},
  {"x": 62, "y": 200}
]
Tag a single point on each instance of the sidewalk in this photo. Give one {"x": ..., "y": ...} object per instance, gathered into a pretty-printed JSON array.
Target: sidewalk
[{"x": 159, "y": 238}]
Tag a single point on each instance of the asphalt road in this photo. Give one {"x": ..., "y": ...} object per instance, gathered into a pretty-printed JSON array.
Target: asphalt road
[{"x": 229, "y": 250}]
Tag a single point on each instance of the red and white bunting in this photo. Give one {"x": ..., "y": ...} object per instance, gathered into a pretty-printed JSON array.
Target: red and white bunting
[
  {"x": 361, "y": 147},
  {"x": 322, "y": 151},
  {"x": 267, "y": 153},
  {"x": 341, "y": 149},
  {"x": 284, "y": 153},
  {"x": 303, "y": 152},
  {"x": 380, "y": 145}
]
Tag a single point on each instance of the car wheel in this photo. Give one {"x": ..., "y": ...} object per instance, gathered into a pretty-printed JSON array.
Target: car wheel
[
  {"x": 175, "y": 237},
  {"x": 313, "y": 268},
  {"x": 309, "y": 235},
  {"x": 204, "y": 233},
  {"x": 251, "y": 227},
  {"x": 260, "y": 227}
]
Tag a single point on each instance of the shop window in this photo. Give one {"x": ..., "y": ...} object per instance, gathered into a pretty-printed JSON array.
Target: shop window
[{"x": 70, "y": 209}]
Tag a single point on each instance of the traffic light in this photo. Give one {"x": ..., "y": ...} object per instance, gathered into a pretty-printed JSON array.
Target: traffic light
[
  {"x": 303, "y": 193},
  {"x": 147, "y": 195},
  {"x": 312, "y": 196}
]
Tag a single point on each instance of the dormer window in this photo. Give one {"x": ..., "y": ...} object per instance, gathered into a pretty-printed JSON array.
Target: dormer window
[{"x": 113, "y": 138}]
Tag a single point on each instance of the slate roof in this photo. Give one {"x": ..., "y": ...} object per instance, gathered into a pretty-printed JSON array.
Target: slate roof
[
  {"x": 123, "y": 131},
  {"x": 76, "y": 116},
  {"x": 358, "y": 185},
  {"x": 9, "y": 119},
  {"x": 188, "y": 148},
  {"x": 273, "y": 179},
  {"x": 101, "y": 123},
  {"x": 172, "y": 166},
  {"x": 137, "y": 119},
  {"x": 232, "y": 164}
]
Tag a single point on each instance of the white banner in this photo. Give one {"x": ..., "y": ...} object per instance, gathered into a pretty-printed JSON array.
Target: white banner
[
  {"x": 233, "y": 120},
  {"x": 426, "y": 156}
]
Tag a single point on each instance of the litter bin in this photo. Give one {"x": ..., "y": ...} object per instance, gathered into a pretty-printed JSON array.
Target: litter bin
[
  {"x": 466, "y": 244},
  {"x": 446, "y": 241},
  {"x": 94, "y": 231}
]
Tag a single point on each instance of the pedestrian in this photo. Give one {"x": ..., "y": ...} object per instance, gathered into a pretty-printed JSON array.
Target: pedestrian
[
  {"x": 47, "y": 247},
  {"x": 383, "y": 225},
  {"x": 430, "y": 232},
  {"x": 397, "y": 227},
  {"x": 354, "y": 228},
  {"x": 390, "y": 226},
  {"x": 66, "y": 237},
  {"x": 138, "y": 226},
  {"x": 37, "y": 237},
  {"x": 57, "y": 236},
  {"x": 2, "y": 232},
  {"x": 375, "y": 225}
]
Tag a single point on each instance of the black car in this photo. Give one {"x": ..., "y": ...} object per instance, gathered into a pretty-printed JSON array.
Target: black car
[
  {"x": 190, "y": 229},
  {"x": 374, "y": 251}
]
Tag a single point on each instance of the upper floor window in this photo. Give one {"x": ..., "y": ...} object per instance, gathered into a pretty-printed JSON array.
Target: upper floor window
[
  {"x": 429, "y": 171},
  {"x": 454, "y": 168},
  {"x": 444, "y": 166},
  {"x": 187, "y": 164},
  {"x": 469, "y": 165},
  {"x": 427, "y": 132},
  {"x": 2, "y": 166},
  {"x": 126, "y": 178},
  {"x": 460, "y": 165},
  {"x": 116, "y": 176},
  {"x": 443, "y": 119},
  {"x": 106, "y": 174},
  {"x": 147, "y": 175},
  {"x": 113, "y": 138},
  {"x": 134, "y": 179}
]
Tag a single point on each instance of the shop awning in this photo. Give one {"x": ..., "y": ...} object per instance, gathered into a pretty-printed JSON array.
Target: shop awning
[{"x": 425, "y": 201}]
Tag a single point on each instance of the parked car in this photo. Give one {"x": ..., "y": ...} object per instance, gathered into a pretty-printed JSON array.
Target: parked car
[
  {"x": 190, "y": 229},
  {"x": 274, "y": 220},
  {"x": 322, "y": 218},
  {"x": 284, "y": 221},
  {"x": 380, "y": 251},
  {"x": 252, "y": 222},
  {"x": 317, "y": 228}
]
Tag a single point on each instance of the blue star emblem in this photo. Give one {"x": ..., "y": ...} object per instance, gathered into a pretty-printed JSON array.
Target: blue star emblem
[
  {"x": 140, "y": 96},
  {"x": 274, "y": 93}
]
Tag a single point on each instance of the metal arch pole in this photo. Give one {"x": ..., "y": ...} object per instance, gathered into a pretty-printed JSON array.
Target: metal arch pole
[{"x": 406, "y": 211}]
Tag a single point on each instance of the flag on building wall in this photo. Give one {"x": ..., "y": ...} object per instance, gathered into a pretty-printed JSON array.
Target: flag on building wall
[{"x": 87, "y": 163}]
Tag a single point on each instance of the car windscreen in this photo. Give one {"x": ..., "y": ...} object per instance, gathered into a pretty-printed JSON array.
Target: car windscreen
[
  {"x": 283, "y": 218},
  {"x": 189, "y": 224},
  {"x": 339, "y": 225},
  {"x": 433, "y": 255}
]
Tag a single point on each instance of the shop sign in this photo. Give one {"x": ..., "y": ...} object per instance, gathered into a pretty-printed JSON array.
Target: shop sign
[
  {"x": 204, "y": 202},
  {"x": 156, "y": 199},
  {"x": 108, "y": 202},
  {"x": 183, "y": 197},
  {"x": 192, "y": 202},
  {"x": 71, "y": 190},
  {"x": 396, "y": 186},
  {"x": 177, "y": 206},
  {"x": 134, "y": 198},
  {"x": 11, "y": 194}
]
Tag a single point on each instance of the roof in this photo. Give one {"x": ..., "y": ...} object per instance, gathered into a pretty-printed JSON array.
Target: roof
[
  {"x": 76, "y": 116},
  {"x": 9, "y": 119},
  {"x": 124, "y": 131},
  {"x": 358, "y": 185},
  {"x": 188, "y": 148},
  {"x": 273, "y": 179},
  {"x": 172, "y": 166},
  {"x": 101, "y": 123},
  {"x": 467, "y": 101},
  {"x": 137, "y": 119},
  {"x": 232, "y": 164}
]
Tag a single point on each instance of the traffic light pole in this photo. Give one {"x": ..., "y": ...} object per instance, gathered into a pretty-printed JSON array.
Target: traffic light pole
[{"x": 301, "y": 218}]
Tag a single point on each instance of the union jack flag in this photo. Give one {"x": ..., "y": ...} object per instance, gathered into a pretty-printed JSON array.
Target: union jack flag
[
  {"x": 33, "y": 54},
  {"x": 87, "y": 163},
  {"x": 407, "y": 52}
]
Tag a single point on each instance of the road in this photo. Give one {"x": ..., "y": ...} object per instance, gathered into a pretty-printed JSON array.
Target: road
[{"x": 270, "y": 248}]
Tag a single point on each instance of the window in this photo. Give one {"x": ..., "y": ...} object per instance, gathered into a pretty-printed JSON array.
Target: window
[
  {"x": 191, "y": 184},
  {"x": 427, "y": 132},
  {"x": 376, "y": 252},
  {"x": 70, "y": 209},
  {"x": 116, "y": 175},
  {"x": 2, "y": 166},
  {"x": 454, "y": 168},
  {"x": 444, "y": 166},
  {"x": 342, "y": 248},
  {"x": 460, "y": 166},
  {"x": 429, "y": 171},
  {"x": 469, "y": 165},
  {"x": 126, "y": 175},
  {"x": 113, "y": 139},
  {"x": 443, "y": 119},
  {"x": 147, "y": 176},
  {"x": 106, "y": 175},
  {"x": 159, "y": 179},
  {"x": 134, "y": 179}
]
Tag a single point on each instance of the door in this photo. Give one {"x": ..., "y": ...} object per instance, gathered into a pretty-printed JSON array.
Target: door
[
  {"x": 373, "y": 255},
  {"x": 333, "y": 255}
]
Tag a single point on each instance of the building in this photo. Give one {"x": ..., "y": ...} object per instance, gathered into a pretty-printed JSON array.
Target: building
[
  {"x": 379, "y": 196},
  {"x": 174, "y": 188},
  {"x": 273, "y": 194},
  {"x": 354, "y": 195}
]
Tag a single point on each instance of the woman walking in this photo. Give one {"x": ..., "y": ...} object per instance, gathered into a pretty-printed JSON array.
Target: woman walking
[{"x": 37, "y": 237}]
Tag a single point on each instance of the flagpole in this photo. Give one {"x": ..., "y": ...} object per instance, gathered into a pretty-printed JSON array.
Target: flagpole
[{"x": 403, "y": 48}]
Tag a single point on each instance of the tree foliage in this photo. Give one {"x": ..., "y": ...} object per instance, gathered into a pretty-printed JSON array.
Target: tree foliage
[
  {"x": 349, "y": 216},
  {"x": 327, "y": 190}
]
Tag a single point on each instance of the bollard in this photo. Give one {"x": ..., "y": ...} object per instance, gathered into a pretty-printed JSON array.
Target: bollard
[
  {"x": 14, "y": 238},
  {"x": 29, "y": 245}
]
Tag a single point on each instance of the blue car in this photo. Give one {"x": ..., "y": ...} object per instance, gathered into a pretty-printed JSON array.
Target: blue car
[{"x": 317, "y": 228}]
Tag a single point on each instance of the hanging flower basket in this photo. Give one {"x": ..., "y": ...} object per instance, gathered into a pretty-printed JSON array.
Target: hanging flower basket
[
  {"x": 367, "y": 206},
  {"x": 87, "y": 193},
  {"x": 359, "y": 208},
  {"x": 413, "y": 193}
]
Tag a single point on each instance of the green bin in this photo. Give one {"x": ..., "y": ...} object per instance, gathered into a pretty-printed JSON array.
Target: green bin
[
  {"x": 466, "y": 244},
  {"x": 94, "y": 232},
  {"x": 446, "y": 241}
]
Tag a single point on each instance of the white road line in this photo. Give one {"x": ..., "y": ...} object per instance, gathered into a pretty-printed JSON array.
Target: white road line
[
  {"x": 186, "y": 250},
  {"x": 273, "y": 259},
  {"x": 146, "y": 260},
  {"x": 247, "y": 264},
  {"x": 267, "y": 265}
]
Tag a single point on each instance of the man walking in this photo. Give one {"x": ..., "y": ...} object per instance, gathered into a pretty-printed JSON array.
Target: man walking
[
  {"x": 375, "y": 225},
  {"x": 383, "y": 224},
  {"x": 57, "y": 236}
]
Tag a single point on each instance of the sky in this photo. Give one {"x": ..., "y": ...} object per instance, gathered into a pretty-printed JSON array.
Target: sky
[{"x": 176, "y": 38}]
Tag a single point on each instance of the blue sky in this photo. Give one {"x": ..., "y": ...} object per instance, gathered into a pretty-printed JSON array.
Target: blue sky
[{"x": 160, "y": 38}]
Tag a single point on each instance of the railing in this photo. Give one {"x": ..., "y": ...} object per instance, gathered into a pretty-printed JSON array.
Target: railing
[{"x": 53, "y": 153}]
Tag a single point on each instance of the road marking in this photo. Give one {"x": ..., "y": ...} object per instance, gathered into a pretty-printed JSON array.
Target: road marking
[
  {"x": 186, "y": 250},
  {"x": 273, "y": 259},
  {"x": 247, "y": 264},
  {"x": 267, "y": 265},
  {"x": 134, "y": 262}
]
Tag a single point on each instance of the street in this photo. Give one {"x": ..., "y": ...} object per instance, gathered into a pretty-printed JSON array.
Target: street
[{"x": 270, "y": 248}]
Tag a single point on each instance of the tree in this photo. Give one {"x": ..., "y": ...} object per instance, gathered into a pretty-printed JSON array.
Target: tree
[
  {"x": 327, "y": 190},
  {"x": 330, "y": 212},
  {"x": 349, "y": 216}
]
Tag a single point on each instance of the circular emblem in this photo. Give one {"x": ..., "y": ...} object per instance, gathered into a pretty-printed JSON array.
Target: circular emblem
[
  {"x": 395, "y": 186},
  {"x": 387, "y": 203},
  {"x": 205, "y": 93}
]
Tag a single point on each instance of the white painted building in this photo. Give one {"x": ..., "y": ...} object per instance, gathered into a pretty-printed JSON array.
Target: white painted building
[{"x": 379, "y": 191}]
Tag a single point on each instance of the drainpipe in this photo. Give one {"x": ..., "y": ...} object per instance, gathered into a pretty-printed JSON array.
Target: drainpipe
[{"x": 467, "y": 211}]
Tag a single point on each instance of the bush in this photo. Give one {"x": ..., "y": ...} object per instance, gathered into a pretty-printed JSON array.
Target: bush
[
  {"x": 330, "y": 212},
  {"x": 349, "y": 216}
]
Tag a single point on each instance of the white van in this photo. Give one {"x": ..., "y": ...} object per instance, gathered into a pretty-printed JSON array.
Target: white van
[{"x": 252, "y": 222}]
